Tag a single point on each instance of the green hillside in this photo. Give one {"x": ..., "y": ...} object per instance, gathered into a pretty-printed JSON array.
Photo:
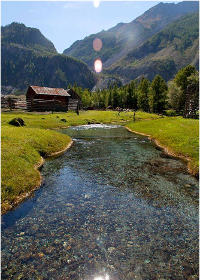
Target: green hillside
[
  {"x": 32, "y": 38},
  {"x": 165, "y": 53},
  {"x": 28, "y": 58},
  {"x": 121, "y": 39}
]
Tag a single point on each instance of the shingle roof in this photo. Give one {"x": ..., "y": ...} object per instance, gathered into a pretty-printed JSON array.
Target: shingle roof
[{"x": 50, "y": 91}]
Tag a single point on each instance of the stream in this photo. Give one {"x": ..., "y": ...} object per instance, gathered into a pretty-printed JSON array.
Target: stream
[{"x": 112, "y": 207}]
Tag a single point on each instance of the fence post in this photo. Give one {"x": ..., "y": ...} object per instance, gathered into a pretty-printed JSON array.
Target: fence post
[
  {"x": 10, "y": 103},
  {"x": 53, "y": 106},
  {"x": 77, "y": 109}
]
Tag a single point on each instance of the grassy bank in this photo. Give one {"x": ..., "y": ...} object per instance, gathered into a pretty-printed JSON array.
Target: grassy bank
[
  {"x": 22, "y": 148},
  {"x": 178, "y": 136},
  {"x": 56, "y": 120}
]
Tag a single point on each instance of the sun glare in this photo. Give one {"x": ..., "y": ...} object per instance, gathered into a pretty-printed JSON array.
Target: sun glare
[
  {"x": 96, "y": 3},
  {"x": 97, "y": 44},
  {"x": 98, "y": 65}
]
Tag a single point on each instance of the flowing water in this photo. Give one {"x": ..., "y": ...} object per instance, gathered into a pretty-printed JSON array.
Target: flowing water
[{"x": 112, "y": 207}]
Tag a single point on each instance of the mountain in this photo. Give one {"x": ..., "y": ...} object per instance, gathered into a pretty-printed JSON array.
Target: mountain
[
  {"x": 165, "y": 53},
  {"x": 31, "y": 38},
  {"x": 28, "y": 58},
  {"x": 124, "y": 37}
]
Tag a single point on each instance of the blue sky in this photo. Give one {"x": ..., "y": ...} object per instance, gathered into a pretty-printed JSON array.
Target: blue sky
[{"x": 64, "y": 22}]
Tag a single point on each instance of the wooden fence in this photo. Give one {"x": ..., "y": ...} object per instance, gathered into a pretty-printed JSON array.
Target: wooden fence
[
  {"x": 39, "y": 105},
  {"x": 8, "y": 103}
]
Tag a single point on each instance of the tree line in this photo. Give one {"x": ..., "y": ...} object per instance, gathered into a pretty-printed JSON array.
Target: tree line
[{"x": 156, "y": 96}]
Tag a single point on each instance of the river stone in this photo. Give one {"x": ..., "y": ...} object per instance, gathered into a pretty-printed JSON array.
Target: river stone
[
  {"x": 111, "y": 249},
  {"x": 63, "y": 120}
]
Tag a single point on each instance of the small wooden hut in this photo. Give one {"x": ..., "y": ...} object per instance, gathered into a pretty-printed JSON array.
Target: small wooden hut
[
  {"x": 47, "y": 99},
  {"x": 74, "y": 100}
]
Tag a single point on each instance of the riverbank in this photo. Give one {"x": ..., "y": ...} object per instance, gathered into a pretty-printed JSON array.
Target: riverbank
[
  {"x": 24, "y": 148},
  {"x": 177, "y": 136},
  {"x": 23, "y": 153}
]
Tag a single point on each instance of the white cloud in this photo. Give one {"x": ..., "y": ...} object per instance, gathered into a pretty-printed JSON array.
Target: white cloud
[{"x": 70, "y": 6}]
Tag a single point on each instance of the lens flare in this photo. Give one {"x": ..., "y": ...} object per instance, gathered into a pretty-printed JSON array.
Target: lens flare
[
  {"x": 98, "y": 65},
  {"x": 97, "y": 44},
  {"x": 96, "y": 3}
]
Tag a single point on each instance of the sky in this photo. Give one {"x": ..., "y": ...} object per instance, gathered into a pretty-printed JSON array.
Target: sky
[{"x": 64, "y": 22}]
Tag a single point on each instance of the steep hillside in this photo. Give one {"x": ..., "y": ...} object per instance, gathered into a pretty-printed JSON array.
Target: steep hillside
[
  {"x": 32, "y": 38},
  {"x": 122, "y": 38},
  {"x": 28, "y": 58},
  {"x": 165, "y": 53}
]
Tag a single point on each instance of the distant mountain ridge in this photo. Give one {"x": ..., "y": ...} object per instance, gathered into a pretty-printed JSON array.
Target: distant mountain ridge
[
  {"x": 28, "y": 58},
  {"x": 124, "y": 37},
  {"x": 165, "y": 53}
]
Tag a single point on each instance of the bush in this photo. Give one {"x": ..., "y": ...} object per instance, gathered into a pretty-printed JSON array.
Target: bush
[{"x": 170, "y": 113}]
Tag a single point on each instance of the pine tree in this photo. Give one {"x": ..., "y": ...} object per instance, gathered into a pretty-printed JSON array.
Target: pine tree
[
  {"x": 133, "y": 86},
  {"x": 158, "y": 94},
  {"x": 143, "y": 94},
  {"x": 115, "y": 97},
  {"x": 110, "y": 97},
  {"x": 182, "y": 75}
]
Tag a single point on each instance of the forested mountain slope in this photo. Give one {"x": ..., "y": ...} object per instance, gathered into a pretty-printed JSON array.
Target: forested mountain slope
[
  {"x": 124, "y": 37},
  {"x": 28, "y": 58},
  {"x": 165, "y": 53}
]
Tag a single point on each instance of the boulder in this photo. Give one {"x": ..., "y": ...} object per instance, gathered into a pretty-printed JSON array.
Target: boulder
[{"x": 17, "y": 122}]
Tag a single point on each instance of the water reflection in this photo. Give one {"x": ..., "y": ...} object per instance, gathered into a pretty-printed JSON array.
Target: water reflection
[
  {"x": 111, "y": 206},
  {"x": 102, "y": 277}
]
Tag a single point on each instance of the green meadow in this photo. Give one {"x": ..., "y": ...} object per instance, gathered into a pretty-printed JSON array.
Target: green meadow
[
  {"x": 22, "y": 148},
  {"x": 178, "y": 135}
]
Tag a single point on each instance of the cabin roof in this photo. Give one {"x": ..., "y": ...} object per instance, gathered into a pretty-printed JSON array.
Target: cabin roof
[
  {"x": 50, "y": 91},
  {"x": 73, "y": 92}
]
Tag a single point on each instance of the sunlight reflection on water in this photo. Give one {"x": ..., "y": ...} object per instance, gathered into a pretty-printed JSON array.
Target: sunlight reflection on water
[
  {"x": 106, "y": 277},
  {"x": 110, "y": 208},
  {"x": 92, "y": 126}
]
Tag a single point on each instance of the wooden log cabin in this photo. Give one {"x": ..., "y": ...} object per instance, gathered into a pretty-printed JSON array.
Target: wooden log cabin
[{"x": 50, "y": 99}]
